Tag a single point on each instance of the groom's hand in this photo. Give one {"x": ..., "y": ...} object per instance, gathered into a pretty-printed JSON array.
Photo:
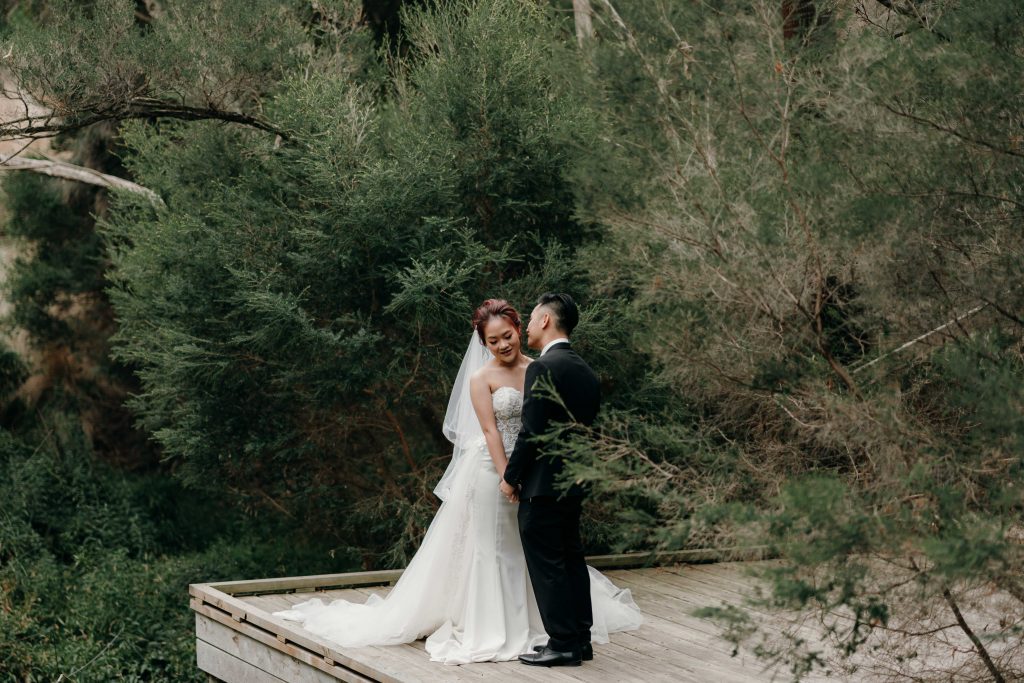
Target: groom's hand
[{"x": 509, "y": 491}]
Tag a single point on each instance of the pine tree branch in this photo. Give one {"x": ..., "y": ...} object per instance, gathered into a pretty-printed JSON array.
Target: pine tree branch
[{"x": 62, "y": 169}]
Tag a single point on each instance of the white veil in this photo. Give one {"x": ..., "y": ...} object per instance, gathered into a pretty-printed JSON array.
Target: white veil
[{"x": 461, "y": 425}]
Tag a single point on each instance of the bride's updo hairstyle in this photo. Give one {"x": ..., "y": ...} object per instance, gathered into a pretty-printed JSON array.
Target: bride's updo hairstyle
[{"x": 494, "y": 308}]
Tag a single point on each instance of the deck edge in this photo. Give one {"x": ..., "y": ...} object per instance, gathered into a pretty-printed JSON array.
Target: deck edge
[{"x": 390, "y": 576}]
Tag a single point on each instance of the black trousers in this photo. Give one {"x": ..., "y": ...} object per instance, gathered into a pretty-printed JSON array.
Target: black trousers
[{"x": 550, "y": 530}]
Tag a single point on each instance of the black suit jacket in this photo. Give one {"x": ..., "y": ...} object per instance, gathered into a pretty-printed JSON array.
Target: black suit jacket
[{"x": 580, "y": 390}]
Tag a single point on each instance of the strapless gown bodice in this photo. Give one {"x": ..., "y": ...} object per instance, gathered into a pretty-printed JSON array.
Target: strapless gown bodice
[{"x": 508, "y": 414}]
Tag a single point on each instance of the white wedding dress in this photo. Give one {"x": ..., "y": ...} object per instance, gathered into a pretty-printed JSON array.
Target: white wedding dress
[{"x": 467, "y": 588}]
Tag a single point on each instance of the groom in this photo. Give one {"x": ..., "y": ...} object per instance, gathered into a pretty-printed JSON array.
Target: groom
[{"x": 549, "y": 520}]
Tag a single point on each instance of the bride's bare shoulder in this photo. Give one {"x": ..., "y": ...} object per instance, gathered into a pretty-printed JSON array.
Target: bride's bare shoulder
[{"x": 482, "y": 374}]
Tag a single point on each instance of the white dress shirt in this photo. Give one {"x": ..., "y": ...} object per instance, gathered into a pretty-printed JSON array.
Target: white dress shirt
[{"x": 552, "y": 343}]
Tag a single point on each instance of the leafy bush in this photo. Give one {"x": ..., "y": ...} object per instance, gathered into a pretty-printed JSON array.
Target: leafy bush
[{"x": 95, "y": 564}]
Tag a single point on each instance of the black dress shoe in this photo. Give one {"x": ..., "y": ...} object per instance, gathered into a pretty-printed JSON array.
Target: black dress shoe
[
  {"x": 588, "y": 651},
  {"x": 548, "y": 657}
]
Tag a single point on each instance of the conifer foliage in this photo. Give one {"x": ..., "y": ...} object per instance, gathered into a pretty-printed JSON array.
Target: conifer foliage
[{"x": 297, "y": 311}]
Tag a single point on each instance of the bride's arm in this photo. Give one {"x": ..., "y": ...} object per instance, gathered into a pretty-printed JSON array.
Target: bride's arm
[{"x": 480, "y": 393}]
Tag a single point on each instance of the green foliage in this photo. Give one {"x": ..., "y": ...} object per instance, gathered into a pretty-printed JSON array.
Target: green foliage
[{"x": 95, "y": 563}]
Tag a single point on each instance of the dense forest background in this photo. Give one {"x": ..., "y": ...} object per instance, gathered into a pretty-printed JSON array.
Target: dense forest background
[{"x": 795, "y": 227}]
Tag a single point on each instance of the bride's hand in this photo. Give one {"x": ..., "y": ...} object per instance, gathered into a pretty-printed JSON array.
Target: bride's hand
[{"x": 507, "y": 490}]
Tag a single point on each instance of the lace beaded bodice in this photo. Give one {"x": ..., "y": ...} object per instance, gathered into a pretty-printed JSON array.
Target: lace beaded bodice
[{"x": 508, "y": 413}]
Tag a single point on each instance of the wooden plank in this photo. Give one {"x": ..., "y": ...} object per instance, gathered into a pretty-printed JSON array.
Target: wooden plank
[
  {"x": 312, "y": 582},
  {"x": 406, "y": 662},
  {"x": 705, "y": 662},
  {"x": 228, "y": 668},
  {"x": 416, "y": 660},
  {"x": 667, "y": 665},
  {"x": 273, "y": 602},
  {"x": 688, "y": 588},
  {"x": 676, "y": 587},
  {"x": 271, "y": 660},
  {"x": 615, "y": 664},
  {"x": 506, "y": 670},
  {"x": 364, "y": 661},
  {"x": 696, "y": 555},
  {"x": 673, "y": 658},
  {"x": 688, "y": 639},
  {"x": 289, "y": 600},
  {"x": 700, "y": 594},
  {"x": 402, "y": 664},
  {"x": 293, "y": 599},
  {"x": 270, "y": 641},
  {"x": 674, "y": 628},
  {"x": 668, "y": 607},
  {"x": 617, "y": 672},
  {"x": 721, "y": 576},
  {"x": 709, "y": 583}
]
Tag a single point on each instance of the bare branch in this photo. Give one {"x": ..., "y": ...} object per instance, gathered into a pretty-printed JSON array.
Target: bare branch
[
  {"x": 982, "y": 652},
  {"x": 62, "y": 169},
  {"x": 922, "y": 337},
  {"x": 38, "y": 127}
]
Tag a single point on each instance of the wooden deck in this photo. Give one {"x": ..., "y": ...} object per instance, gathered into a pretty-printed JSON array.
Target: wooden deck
[{"x": 238, "y": 640}]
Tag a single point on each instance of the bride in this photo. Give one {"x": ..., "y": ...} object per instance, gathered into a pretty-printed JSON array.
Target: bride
[{"x": 467, "y": 587}]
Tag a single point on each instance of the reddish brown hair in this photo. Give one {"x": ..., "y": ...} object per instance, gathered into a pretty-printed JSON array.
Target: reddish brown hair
[{"x": 494, "y": 308}]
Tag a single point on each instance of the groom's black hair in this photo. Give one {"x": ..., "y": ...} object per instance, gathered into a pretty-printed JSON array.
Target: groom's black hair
[{"x": 564, "y": 309}]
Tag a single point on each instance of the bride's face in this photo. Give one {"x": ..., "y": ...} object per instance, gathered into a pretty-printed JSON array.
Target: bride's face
[{"x": 502, "y": 339}]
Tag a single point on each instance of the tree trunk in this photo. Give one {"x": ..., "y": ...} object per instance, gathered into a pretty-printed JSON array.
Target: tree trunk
[
  {"x": 797, "y": 17},
  {"x": 584, "y": 26}
]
